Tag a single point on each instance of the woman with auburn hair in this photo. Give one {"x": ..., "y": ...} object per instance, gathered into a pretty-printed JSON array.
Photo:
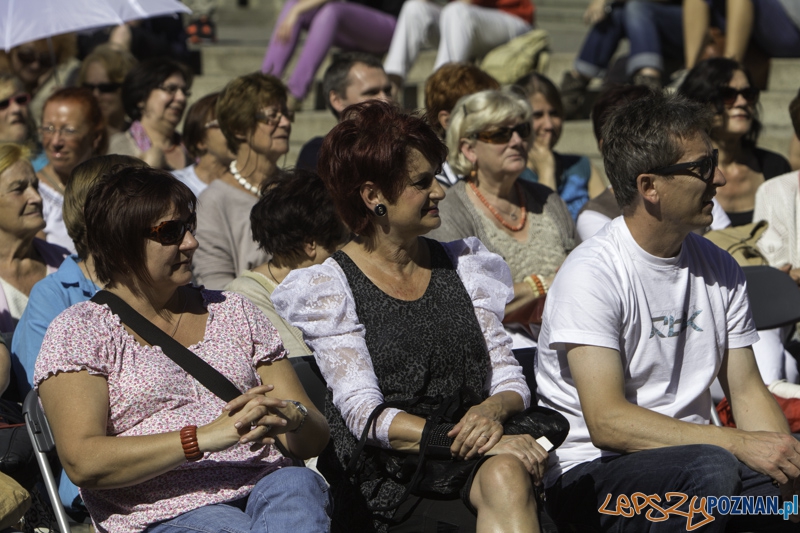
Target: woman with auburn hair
[
  {"x": 151, "y": 448},
  {"x": 253, "y": 117},
  {"x": 394, "y": 316},
  {"x": 73, "y": 130},
  {"x": 154, "y": 95},
  {"x": 103, "y": 72},
  {"x": 24, "y": 259},
  {"x": 527, "y": 223}
]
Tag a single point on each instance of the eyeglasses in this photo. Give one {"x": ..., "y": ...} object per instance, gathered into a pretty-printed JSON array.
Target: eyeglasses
[
  {"x": 19, "y": 99},
  {"x": 728, "y": 95},
  {"x": 706, "y": 166},
  {"x": 104, "y": 88},
  {"x": 503, "y": 135},
  {"x": 172, "y": 232},
  {"x": 65, "y": 131},
  {"x": 173, "y": 89},
  {"x": 211, "y": 124},
  {"x": 271, "y": 118},
  {"x": 28, "y": 56}
]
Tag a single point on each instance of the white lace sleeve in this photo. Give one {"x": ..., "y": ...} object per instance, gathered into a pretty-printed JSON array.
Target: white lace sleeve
[
  {"x": 318, "y": 301},
  {"x": 487, "y": 279}
]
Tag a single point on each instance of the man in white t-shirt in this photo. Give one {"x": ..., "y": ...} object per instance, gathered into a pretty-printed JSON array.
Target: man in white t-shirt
[{"x": 639, "y": 322}]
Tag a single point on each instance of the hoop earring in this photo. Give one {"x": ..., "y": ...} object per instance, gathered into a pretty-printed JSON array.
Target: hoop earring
[{"x": 380, "y": 210}]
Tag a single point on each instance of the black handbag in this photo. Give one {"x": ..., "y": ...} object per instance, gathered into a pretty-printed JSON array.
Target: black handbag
[
  {"x": 431, "y": 472},
  {"x": 17, "y": 459}
]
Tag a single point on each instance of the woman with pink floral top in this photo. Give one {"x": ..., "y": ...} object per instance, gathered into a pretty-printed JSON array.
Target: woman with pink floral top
[{"x": 149, "y": 446}]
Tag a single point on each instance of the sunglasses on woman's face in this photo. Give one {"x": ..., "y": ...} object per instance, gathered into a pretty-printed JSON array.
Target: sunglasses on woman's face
[
  {"x": 104, "y": 88},
  {"x": 729, "y": 95},
  {"x": 503, "y": 135},
  {"x": 172, "y": 232},
  {"x": 30, "y": 56},
  {"x": 19, "y": 99},
  {"x": 706, "y": 167}
]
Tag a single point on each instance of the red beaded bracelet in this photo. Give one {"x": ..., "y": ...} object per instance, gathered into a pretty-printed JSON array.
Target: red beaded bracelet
[{"x": 191, "y": 449}]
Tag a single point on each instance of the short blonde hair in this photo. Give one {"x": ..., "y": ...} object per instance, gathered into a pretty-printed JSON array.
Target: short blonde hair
[
  {"x": 240, "y": 102},
  {"x": 479, "y": 112},
  {"x": 12, "y": 153}
]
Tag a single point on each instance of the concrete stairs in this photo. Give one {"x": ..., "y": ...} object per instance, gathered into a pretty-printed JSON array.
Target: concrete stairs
[{"x": 244, "y": 35}]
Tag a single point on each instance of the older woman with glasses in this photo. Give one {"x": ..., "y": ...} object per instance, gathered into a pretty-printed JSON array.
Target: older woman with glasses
[
  {"x": 524, "y": 222},
  {"x": 726, "y": 87},
  {"x": 252, "y": 115},
  {"x": 151, "y": 448},
  {"x": 103, "y": 72},
  {"x": 73, "y": 131},
  {"x": 155, "y": 94}
]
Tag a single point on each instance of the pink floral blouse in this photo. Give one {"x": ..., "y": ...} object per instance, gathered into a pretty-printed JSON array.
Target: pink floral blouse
[{"x": 150, "y": 394}]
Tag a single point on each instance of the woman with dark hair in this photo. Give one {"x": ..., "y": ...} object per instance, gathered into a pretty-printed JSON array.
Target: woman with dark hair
[
  {"x": 572, "y": 176},
  {"x": 296, "y": 223},
  {"x": 252, "y": 115},
  {"x": 73, "y": 130},
  {"x": 394, "y": 315},
  {"x": 152, "y": 449},
  {"x": 154, "y": 95},
  {"x": 726, "y": 87},
  {"x": 207, "y": 145}
]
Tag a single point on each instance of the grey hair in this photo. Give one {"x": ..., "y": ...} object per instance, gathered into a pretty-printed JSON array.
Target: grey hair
[
  {"x": 645, "y": 134},
  {"x": 478, "y": 112}
]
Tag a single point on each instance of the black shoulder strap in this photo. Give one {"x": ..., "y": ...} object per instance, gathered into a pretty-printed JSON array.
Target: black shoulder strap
[{"x": 182, "y": 356}]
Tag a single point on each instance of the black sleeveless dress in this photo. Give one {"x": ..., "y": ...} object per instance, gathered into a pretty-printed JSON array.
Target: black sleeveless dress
[{"x": 427, "y": 347}]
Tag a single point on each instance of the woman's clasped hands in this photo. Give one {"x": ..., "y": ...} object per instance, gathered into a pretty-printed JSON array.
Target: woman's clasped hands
[{"x": 253, "y": 417}]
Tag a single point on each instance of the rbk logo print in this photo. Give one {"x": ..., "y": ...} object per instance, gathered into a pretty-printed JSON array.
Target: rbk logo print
[{"x": 670, "y": 326}]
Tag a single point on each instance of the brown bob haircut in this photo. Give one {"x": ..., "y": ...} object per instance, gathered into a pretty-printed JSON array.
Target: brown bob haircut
[
  {"x": 194, "y": 127},
  {"x": 116, "y": 62},
  {"x": 372, "y": 143},
  {"x": 119, "y": 210},
  {"x": 92, "y": 113},
  {"x": 240, "y": 102},
  {"x": 448, "y": 85},
  {"x": 83, "y": 177}
]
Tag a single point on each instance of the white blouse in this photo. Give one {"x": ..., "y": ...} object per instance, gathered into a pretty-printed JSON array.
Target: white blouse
[{"x": 319, "y": 302}]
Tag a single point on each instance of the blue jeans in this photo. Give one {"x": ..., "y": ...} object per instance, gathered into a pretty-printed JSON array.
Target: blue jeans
[
  {"x": 290, "y": 500},
  {"x": 655, "y": 31},
  {"x": 695, "y": 470},
  {"x": 773, "y": 31}
]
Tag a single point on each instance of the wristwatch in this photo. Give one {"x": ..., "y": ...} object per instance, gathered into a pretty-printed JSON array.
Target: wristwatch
[{"x": 303, "y": 411}]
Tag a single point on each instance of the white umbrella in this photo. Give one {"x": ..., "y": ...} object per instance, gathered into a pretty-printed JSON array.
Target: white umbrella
[{"x": 22, "y": 21}]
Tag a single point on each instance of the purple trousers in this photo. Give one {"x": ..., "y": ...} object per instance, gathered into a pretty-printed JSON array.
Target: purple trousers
[{"x": 348, "y": 26}]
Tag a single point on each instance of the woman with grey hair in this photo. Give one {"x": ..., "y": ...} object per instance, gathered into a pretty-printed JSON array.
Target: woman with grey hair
[{"x": 526, "y": 223}]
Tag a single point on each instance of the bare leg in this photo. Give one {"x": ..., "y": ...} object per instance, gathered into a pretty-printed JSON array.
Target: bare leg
[
  {"x": 696, "y": 20},
  {"x": 739, "y": 26},
  {"x": 502, "y": 492}
]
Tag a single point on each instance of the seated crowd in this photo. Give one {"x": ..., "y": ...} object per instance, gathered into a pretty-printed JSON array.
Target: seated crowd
[{"x": 414, "y": 259}]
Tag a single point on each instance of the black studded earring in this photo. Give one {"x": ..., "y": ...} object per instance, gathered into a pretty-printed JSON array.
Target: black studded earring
[{"x": 380, "y": 210}]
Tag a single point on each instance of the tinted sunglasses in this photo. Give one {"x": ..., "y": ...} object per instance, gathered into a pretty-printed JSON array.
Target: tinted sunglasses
[
  {"x": 706, "y": 166},
  {"x": 172, "y": 232},
  {"x": 503, "y": 135},
  {"x": 30, "y": 56},
  {"x": 104, "y": 88},
  {"x": 728, "y": 95},
  {"x": 19, "y": 99}
]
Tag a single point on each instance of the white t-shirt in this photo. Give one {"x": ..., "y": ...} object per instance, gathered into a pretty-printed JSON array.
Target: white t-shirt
[
  {"x": 188, "y": 177},
  {"x": 52, "y": 211},
  {"x": 671, "y": 320}
]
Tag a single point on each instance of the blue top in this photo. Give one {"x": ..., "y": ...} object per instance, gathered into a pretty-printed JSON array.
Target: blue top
[
  {"x": 52, "y": 295},
  {"x": 572, "y": 182}
]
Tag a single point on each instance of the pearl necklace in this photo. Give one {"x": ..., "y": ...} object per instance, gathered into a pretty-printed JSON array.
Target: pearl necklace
[{"x": 243, "y": 182}]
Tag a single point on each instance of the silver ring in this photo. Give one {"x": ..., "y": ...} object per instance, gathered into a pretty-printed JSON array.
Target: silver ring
[
  {"x": 268, "y": 427},
  {"x": 484, "y": 436}
]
